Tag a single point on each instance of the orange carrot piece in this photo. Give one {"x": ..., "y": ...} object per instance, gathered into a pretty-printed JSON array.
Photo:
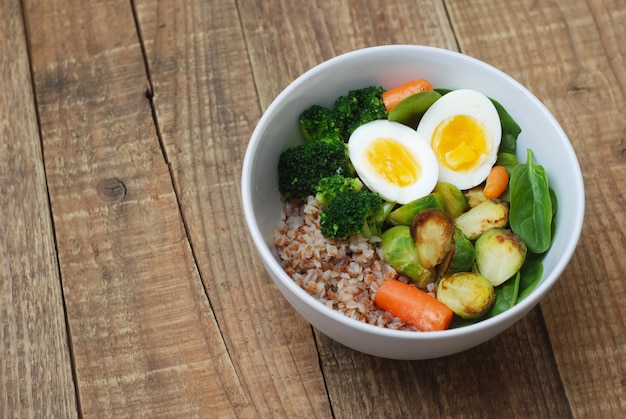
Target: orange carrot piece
[
  {"x": 413, "y": 306},
  {"x": 394, "y": 95},
  {"x": 496, "y": 183}
]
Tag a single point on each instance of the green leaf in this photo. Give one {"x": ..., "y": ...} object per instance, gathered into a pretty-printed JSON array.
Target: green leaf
[
  {"x": 506, "y": 295},
  {"x": 442, "y": 91},
  {"x": 530, "y": 275},
  {"x": 530, "y": 215},
  {"x": 510, "y": 129},
  {"x": 508, "y": 161}
]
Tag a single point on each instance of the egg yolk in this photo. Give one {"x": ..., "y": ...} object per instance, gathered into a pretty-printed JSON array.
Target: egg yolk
[
  {"x": 460, "y": 142},
  {"x": 393, "y": 162}
]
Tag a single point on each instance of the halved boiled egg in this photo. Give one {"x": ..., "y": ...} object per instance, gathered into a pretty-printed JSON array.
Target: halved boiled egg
[
  {"x": 393, "y": 160},
  {"x": 463, "y": 129}
]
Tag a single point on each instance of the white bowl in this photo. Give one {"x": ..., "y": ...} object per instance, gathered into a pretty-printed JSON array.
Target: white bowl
[{"x": 389, "y": 66}]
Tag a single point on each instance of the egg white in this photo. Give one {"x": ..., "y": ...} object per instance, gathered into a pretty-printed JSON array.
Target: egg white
[
  {"x": 360, "y": 144},
  {"x": 478, "y": 106}
]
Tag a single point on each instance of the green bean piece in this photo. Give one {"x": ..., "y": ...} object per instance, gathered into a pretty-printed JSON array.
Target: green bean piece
[
  {"x": 530, "y": 215},
  {"x": 409, "y": 111}
]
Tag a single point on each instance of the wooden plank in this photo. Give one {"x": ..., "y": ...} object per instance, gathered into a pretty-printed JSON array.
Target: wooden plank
[
  {"x": 574, "y": 61},
  {"x": 361, "y": 386},
  {"x": 206, "y": 106},
  {"x": 144, "y": 336},
  {"x": 482, "y": 382},
  {"x": 35, "y": 367},
  {"x": 610, "y": 22},
  {"x": 281, "y": 49}
]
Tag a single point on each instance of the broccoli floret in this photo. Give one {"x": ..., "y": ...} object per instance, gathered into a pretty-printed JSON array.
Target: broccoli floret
[
  {"x": 301, "y": 167},
  {"x": 360, "y": 106},
  {"x": 350, "y": 111},
  {"x": 375, "y": 222},
  {"x": 318, "y": 122},
  {"x": 353, "y": 212},
  {"x": 328, "y": 188}
]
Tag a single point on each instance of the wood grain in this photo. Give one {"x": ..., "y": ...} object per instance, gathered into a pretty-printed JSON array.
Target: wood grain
[
  {"x": 282, "y": 49},
  {"x": 35, "y": 370},
  {"x": 483, "y": 382},
  {"x": 376, "y": 385},
  {"x": 206, "y": 109},
  {"x": 588, "y": 98},
  {"x": 129, "y": 286},
  {"x": 144, "y": 337},
  {"x": 536, "y": 39}
]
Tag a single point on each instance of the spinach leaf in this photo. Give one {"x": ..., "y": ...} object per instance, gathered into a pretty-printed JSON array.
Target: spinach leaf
[
  {"x": 510, "y": 129},
  {"x": 530, "y": 215},
  {"x": 554, "y": 201},
  {"x": 530, "y": 275},
  {"x": 508, "y": 160},
  {"x": 506, "y": 295},
  {"x": 458, "y": 321},
  {"x": 442, "y": 91}
]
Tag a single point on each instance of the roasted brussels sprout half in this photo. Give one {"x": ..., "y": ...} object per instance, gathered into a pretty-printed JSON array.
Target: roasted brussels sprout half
[
  {"x": 500, "y": 253},
  {"x": 432, "y": 231},
  {"x": 468, "y": 295},
  {"x": 461, "y": 257},
  {"x": 492, "y": 213},
  {"x": 454, "y": 200},
  {"x": 401, "y": 253},
  {"x": 475, "y": 196},
  {"x": 404, "y": 214}
]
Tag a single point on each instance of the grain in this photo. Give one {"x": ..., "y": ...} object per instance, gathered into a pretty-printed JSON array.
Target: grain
[{"x": 341, "y": 274}]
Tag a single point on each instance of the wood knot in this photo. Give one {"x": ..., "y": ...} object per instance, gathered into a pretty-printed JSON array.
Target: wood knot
[
  {"x": 112, "y": 190},
  {"x": 575, "y": 89}
]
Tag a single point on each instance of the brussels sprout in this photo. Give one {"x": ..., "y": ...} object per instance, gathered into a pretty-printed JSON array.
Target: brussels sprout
[
  {"x": 404, "y": 214},
  {"x": 461, "y": 257},
  {"x": 401, "y": 253},
  {"x": 468, "y": 295},
  {"x": 454, "y": 200},
  {"x": 432, "y": 231},
  {"x": 475, "y": 196},
  {"x": 500, "y": 254},
  {"x": 492, "y": 213}
]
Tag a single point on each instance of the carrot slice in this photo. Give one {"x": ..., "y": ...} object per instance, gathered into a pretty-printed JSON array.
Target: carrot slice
[
  {"x": 413, "y": 306},
  {"x": 496, "y": 182},
  {"x": 394, "y": 95}
]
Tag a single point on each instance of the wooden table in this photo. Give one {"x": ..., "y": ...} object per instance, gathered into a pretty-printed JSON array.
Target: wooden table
[{"x": 129, "y": 286}]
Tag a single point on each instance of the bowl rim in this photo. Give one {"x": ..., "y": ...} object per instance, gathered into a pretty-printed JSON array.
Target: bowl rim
[{"x": 270, "y": 262}]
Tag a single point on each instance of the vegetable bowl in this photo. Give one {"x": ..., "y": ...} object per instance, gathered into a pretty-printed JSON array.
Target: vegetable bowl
[{"x": 541, "y": 144}]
